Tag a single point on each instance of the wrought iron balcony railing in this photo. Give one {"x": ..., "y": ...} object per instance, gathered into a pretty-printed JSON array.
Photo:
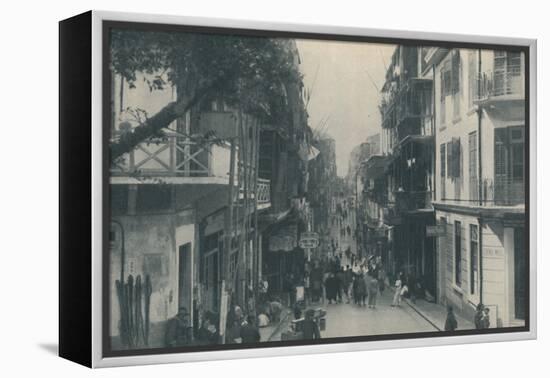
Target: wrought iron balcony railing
[
  {"x": 506, "y": 84},
  {"x": 503, "y": 191},
  {"x": 412, "y": 200}
]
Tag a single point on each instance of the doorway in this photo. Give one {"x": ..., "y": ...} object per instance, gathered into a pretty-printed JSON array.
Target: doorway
[
  {"x": 520, "y": 277},
  {"x": 184, "y": 276}
]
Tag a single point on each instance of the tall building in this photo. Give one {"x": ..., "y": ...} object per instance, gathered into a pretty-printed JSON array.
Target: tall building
[
  {"x": 480, "y": 179},
  {"x": 399, "y": 183},
  {"x": 190, "y": 216}
]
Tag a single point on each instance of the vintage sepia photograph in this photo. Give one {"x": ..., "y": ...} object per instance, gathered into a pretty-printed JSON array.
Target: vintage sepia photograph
[{"x": 273, "y": 189}]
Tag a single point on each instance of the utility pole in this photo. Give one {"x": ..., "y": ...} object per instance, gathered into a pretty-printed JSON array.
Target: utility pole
[{"x": 228, "y": 230}]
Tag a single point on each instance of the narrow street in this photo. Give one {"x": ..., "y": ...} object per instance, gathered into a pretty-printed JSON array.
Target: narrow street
[
  {"x": 343, "y": 236},
  {"x": 351, "y": 320}
]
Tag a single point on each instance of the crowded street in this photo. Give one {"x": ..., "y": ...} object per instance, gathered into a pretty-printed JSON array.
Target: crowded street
[
  {"x": 346, "y": 319},
  {"x": 309, "y": 209}
]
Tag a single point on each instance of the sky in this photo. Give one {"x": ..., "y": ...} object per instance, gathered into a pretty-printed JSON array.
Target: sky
[{"x": 344, "y": 79}]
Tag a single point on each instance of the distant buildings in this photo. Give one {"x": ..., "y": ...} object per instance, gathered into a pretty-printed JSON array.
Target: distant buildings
[{"x": 445, "y": 199}]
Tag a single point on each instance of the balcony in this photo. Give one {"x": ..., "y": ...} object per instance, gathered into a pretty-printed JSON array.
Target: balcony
[
  {"x": 407, "y": 201},
  {"x": 501, "y": 87},
  {"x": 411, "y": 101},
  {"x": 503, "y": 192},
  {"x": 173, "y": 159},
  {"x": 263, "y": 193}
]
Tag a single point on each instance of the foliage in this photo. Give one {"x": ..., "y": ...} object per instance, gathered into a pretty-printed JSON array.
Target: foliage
[{"x": 250, "y": 72}]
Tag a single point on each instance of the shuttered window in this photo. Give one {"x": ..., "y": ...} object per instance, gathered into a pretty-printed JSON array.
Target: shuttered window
[
  {"x": 442, "y": 164},
  {"x": 455, "y": 72},
  {"x": 458, "y": 253},
  {"x": 474, "y": 259},
  {"x": 472, "y": 165},
  {"x": 453, "y": 158},
  {"x": 472, "y": 78}
]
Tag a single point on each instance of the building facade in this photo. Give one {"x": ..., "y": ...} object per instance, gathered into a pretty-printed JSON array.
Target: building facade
[
  {"x": 192, "y": 211},
  {"x": 479, "y": 113},
  {"x": 399, "y": 183}
]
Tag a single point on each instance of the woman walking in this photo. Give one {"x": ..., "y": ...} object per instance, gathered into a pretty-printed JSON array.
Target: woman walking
[
  {"x": 397, "y": 294},
  {"x": 372, "y": 291},
  {"x": 359, "y": 290}
]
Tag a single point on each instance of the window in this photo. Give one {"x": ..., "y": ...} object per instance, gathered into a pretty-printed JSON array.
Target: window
[
  {"x": 445, "y": 78},
  {"x": 474, "y": 259},
  {"x": 472, "y": 165},
  {"x": 509, "y": 165},
  {"x": 455, "y": 90},
  {"x": 442, "y": 158},
  {"x": 472, "y": 78},
  {"x": 453, "y": 158},
  {"x": 458, "y": 253}
]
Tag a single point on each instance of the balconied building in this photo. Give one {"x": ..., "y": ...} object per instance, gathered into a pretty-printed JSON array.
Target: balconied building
[
  {"x": 480, "y": 180},
  {"x": 321, "y": 190},
  {"x": 400, "y": 181},
  {"x": 286, "y": 150},
  {"x": 169, "y": 198}
]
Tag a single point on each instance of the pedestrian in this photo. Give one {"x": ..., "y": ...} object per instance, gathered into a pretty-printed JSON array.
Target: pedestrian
[
  {"x": 450, "y": 323},
  {"x": 179, "y": 330},
  {"x": 381, "y": 279},
  {"x": 372, "y": 291},
  {"x": 340, "y": 276},
  {"x": 275, "y": 309},
  {"x": 359, "y": 290},
  {"x": 478, "y": 317},
  {"x": 331, "y": 286},
  {"x": 397, "y": 294},
  {"x": 307, "y": 288},
  {"x": 207, "y": 333},
  {"x": 249, "y": 331},
  {"x": 264, "y": 287},
  {"x": 234, "y": 323},
  {"x": 348, "y": 282},
  {"x": 310, "y": 327},
  {"x": 486, "y": 322},
  {"x": 290, "y": 289}
]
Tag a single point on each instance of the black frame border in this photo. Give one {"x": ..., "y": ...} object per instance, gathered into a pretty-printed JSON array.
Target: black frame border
[{"x": 107, "y": 25}]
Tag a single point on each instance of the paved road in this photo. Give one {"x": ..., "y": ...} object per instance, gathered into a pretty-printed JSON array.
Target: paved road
[{"x": 352, "y": 320}]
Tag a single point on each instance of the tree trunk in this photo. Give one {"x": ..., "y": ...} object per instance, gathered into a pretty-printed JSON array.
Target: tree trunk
[{"x": 162, "y": 119}]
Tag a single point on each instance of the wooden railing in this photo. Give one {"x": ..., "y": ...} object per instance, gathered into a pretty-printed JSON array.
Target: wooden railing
[{"x": 170, "y": 155}]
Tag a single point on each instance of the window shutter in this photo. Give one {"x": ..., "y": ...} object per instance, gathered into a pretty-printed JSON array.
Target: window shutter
[
  {"x": 442, "y": 155},
  {"x": 443, "y": 88},
  {"x": 456, "y": 157},
  {"x": 449, "y": 159},
  {"x": 455, "y": 72}
]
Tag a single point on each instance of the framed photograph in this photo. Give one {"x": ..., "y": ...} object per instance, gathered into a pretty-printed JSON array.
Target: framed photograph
[{"x": 235, "y": 189}]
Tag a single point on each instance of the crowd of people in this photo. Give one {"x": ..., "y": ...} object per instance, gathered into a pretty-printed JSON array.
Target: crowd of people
[{"x": 359, "y": 283}]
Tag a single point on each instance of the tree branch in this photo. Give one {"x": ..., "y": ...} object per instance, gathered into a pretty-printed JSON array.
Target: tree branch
[{"x": 153, "y": 125}]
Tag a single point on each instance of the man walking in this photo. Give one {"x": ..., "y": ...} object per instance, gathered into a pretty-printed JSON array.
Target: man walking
[{"x": 249, "y": 331}]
